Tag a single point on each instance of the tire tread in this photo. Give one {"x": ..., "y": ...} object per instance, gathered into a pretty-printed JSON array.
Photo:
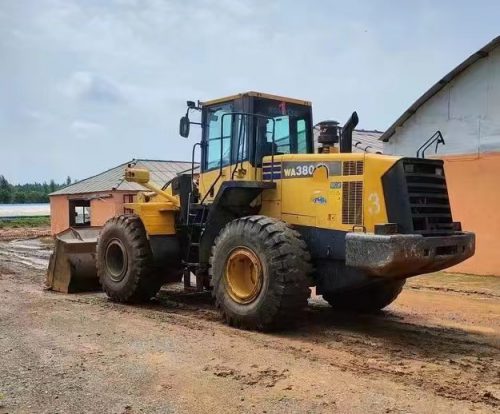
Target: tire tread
[
  {"x": 289, "y": 264},
  {"x": 144, "y": 282}
]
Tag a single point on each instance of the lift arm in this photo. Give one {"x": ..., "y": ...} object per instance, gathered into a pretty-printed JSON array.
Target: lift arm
[{"x": 141, "y": 176}]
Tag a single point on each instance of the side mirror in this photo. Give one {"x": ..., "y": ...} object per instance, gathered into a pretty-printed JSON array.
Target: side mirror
[{"x": 184, "y": 127}]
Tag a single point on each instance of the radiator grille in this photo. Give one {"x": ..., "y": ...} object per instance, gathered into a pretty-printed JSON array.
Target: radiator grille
[
  {"x": 428, "y": 196},
  {"x": 352, "y": 204},
  {"x": 352, "y": 168}
]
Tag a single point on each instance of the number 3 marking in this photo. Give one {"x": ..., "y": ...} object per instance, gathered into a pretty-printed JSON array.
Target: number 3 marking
[{"x": 374, "y": 208}]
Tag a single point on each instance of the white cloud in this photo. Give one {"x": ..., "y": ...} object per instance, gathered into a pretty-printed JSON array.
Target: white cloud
[
  {"x": 87, "y": 86},
  {"x": 83, "y": 129}
]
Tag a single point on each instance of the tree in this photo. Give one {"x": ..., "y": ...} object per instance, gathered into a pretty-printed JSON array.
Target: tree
[
  {"x": 68, "y": 180},
  {"x": 5, "y": 191},
  {"x": 28, "y": 192},
  {"x": 19, "y": 197},
  {"x": 4, "y": 184},
  {"x": 5, "y": 196}
]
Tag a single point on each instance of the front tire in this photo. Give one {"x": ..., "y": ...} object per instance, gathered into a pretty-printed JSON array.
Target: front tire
[
  {"x": 368, "y": 299},
  {"x": 125, "y": 262},
  {"x": 260, "y": 269}
]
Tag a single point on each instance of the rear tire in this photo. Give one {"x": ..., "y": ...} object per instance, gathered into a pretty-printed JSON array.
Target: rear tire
[
  {"x": 260, "y": 269},
  {"x": 125, "y": 262},
  {"x": 367, "y": 299}
]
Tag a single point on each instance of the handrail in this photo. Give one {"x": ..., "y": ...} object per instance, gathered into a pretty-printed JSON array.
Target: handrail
[
  {"x": 192, "y": 163},
  {"x": 437, "y": 137},
  {"x": 237, "y": 153},
  {"x": 237, "y": 161},
  {"x": 238, "y": 149}
]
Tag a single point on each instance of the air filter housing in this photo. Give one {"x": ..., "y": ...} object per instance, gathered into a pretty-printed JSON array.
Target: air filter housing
[{"x": 328, "y": 132}]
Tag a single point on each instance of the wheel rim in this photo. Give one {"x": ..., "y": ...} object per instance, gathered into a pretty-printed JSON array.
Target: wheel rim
[
  {"x": 243, "y": 274},
  {"x": 116, "y": 260}
]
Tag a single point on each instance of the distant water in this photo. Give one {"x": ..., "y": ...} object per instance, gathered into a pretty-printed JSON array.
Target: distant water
[{"x": 18, "y": 210}]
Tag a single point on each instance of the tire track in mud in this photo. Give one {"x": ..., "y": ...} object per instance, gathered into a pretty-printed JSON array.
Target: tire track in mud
[
  {"x": 452, "y": 290},
  {"x": 30, "y": 253},
  {"x": 446, "y": 361}
]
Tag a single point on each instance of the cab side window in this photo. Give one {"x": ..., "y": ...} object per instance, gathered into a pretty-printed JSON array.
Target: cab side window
[
  {"x": 301, "y": 136},
  {"x": 218, "y": 121}
]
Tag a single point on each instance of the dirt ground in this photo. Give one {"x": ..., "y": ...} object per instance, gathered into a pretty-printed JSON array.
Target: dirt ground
[{"x": 436, "y": 349}]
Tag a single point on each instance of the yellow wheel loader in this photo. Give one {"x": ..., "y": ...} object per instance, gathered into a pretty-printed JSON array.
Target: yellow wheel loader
[{"x": 264, "y": 217}]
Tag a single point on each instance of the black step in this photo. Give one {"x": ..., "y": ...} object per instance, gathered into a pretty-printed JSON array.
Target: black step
[
  {"x": 431, "y": 215},
  {"x": 429, "y": 205},
  {"x": 428, "y": 195},
  {"x": 424, "y": 175},
  {"x": 427, "y": 185}
]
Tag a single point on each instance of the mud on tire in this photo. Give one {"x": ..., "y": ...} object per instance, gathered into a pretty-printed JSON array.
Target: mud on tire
[
  {"x": 125, "y": 262},
  {"x": 367, "y": 299},
  {"x": 286, "y": 268}
]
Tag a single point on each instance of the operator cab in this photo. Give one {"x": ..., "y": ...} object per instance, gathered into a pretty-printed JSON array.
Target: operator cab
[{"x": 242, "y": 129}]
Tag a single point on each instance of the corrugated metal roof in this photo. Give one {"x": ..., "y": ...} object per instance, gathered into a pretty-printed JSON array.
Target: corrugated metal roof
[
  {"x": 112, "y": 179},
  {"x": 362, "y": 140},
  {"x": 481, "y": 53},
  {"x": 367, "y": 141}
]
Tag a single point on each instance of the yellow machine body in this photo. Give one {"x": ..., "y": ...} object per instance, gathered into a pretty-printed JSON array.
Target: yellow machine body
[
  {"x": 316, "y": 200},
  {"x": 157, "y": 210}
]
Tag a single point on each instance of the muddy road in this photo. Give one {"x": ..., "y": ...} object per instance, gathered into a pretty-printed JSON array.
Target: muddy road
[{"x": 436, "y": 349}]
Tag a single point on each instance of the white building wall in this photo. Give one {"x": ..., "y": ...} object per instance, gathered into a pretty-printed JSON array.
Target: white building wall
[{"x": 466, "y": 111}]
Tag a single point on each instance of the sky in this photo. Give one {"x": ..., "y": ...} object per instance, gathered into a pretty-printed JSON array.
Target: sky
[{"x": 88, "y": 84}]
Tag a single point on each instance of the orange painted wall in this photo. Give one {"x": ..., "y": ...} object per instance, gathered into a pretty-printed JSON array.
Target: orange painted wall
[
  {"x": 59, "y": 217},
  {"x": 101, "y": 209},
  {"x": 474, "y": 189}
]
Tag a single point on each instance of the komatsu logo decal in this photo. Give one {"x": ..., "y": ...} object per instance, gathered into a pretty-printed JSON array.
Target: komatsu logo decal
[
  {"x": 301, "y": 169},
  {"x": 319, "y": 199}
]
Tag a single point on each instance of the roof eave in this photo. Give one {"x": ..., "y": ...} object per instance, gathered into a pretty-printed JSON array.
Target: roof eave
[
  {"x": 482, "y": 53},
  {"x": 259, "y": 95}
]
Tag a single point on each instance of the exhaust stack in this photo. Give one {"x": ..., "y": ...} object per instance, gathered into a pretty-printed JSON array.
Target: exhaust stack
[{"x": 346, "y": 135}]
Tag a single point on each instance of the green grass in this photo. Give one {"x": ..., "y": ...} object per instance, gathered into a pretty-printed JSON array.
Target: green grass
[{"x": 22, "y": 222}]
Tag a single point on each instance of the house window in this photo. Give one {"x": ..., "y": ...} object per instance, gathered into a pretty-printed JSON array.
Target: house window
[
  {"x": 79, "y": 213},
  {"x": 128, "y": 198}
]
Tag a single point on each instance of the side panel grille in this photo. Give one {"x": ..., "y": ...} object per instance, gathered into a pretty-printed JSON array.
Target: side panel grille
[
  {"x": 428, "y": 197},
  {"x": 352, "y": 168},
  {"x": 352, "y": 204}
]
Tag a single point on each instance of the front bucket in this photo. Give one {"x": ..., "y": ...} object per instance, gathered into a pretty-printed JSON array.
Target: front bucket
[{"x": 72, "y": 265}]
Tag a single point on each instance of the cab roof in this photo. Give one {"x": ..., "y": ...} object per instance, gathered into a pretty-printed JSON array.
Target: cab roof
[{"x": 258, "y": 95}]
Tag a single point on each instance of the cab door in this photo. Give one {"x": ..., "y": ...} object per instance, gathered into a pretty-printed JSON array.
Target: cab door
[{"x": 217, "y": 123}]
